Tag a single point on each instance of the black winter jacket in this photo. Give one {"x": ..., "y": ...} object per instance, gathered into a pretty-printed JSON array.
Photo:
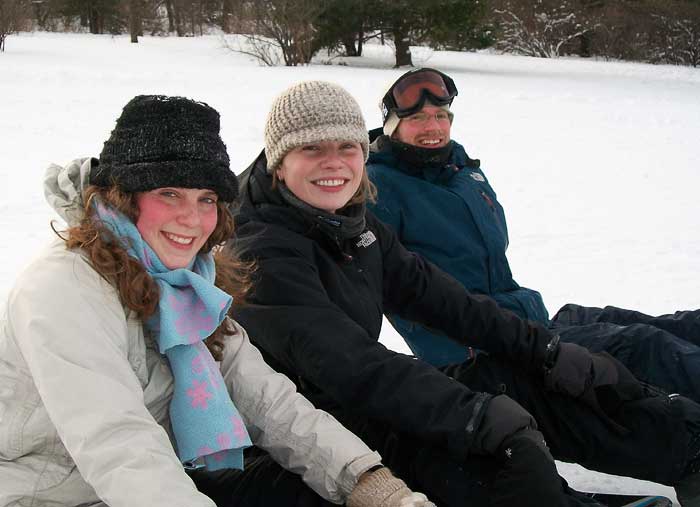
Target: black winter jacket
[{"x": 316, "y": 311}]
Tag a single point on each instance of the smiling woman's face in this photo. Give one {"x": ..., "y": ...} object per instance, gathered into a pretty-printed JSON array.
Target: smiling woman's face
[
  {"x": 325, "y": 174},
  {"x": 176, "y": 222}
]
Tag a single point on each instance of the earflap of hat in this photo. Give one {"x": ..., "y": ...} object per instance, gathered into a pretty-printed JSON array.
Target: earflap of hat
[{"x": 391, "y": 123}]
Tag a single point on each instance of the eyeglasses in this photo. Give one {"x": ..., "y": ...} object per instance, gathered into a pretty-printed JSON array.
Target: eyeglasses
[
  {"x": 409, "y": 93},
  {"x": 423, "y": 118}
]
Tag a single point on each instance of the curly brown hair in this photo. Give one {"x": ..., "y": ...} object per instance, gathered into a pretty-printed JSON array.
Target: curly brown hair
[{"x": 136, "y": 288}]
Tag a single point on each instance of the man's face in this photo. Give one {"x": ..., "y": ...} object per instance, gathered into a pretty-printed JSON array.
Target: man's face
[{"x": 428, "y": 128}]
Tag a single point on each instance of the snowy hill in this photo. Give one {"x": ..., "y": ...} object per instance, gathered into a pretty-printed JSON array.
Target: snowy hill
[{"x": 597, "y": 163}]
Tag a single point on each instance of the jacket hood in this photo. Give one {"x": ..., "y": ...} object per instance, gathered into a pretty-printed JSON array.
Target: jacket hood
[
  {"x": 63, "y": 188},
  {"x": 256, "y": 187},
  {"x": 257, "y": 198}
]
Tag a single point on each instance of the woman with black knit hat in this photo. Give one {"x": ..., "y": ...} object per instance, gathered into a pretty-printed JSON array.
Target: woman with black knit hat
[
  {"x": 109, "y": 343},
  {"x": 469, "y": 434}
]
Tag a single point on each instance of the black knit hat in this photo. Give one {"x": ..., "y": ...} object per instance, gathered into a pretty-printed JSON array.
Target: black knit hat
[{"x": 162, "y": 141}]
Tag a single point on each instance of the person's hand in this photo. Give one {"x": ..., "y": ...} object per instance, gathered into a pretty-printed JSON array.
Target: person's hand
[
  {"x": 503, "y": 418},
  {"x": 525, "y": 459},
  {"x": 416, "y": 500},
  {"x": 509, "y": 433},
  {"x": 574, "y": 369},
  {"x": 381, "y": 489}
]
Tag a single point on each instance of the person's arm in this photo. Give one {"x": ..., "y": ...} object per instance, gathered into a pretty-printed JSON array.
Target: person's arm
[
  {"x": 302, "y": 439},
  {"x": 292, "y": 318},
  {"x": 417, "y": 290},
  {"x": 71, "y": 330}
]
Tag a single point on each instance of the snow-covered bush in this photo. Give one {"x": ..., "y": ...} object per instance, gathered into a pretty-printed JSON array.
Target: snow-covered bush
[{"x": 542, "y": 29}]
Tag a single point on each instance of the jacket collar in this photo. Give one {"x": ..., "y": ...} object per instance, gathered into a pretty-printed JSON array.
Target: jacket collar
[{"x": 440, "y": 170}]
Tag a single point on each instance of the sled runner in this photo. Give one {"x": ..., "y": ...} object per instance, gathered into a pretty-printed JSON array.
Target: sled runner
[{"x": 617, "y": 500}]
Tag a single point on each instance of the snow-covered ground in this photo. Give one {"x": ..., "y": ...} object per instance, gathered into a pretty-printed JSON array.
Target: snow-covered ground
[{"x": 597, "y": 163}]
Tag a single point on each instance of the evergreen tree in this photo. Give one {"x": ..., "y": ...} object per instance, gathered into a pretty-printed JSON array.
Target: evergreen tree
[{"x": 455, "y": 24}]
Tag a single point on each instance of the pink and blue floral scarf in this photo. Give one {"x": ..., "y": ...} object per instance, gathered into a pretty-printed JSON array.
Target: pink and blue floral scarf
[{"x": 207, "y": 426}]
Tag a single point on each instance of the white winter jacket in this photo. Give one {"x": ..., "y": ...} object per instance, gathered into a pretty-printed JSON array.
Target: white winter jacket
[{"x": 84, "y": 396}]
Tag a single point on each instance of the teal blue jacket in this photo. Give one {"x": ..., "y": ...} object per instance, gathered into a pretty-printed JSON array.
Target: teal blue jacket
[{"x": 450, "y": 216}]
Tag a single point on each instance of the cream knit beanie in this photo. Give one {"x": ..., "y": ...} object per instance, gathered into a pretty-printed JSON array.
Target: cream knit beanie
[{"x": 310, "y": 112}]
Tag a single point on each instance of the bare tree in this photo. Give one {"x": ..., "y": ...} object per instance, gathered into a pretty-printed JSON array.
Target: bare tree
[
  {"x": 279, "y": 31},
  {"x": 14, "y": 16}
]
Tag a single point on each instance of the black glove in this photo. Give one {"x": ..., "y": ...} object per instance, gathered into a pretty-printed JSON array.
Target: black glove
[
  {"x": 526, "y": 460},
  {"x": 503, "y": 418},
  {"x": 573, "y": 370},
  {"x": 509, "y": 433}
]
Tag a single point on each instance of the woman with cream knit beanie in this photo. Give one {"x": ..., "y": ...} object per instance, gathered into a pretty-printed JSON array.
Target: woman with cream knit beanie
[{"x": 326, "y": 272}]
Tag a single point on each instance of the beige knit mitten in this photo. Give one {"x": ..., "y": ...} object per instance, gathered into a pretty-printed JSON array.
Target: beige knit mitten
[{"x": 381, "y": 489}]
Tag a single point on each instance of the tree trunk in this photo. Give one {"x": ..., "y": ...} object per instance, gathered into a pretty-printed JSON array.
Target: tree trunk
[
  {"x": 134, "y": 20},
  {"x": 360, "y": 38},
  {"x": 349, "y": 44},
  {"x": 169, "y": 10},
  {"x": 200, "y": 18},
  {"x": 85, "y": 14},
  {"x": 94, "y": 21},
  {"x": 403, "y": 48},
  {"x": 584, "y": 49},
  {"x": 226, "y": 14},
  {"x": 193, "y": 21},
  {"x": 178, "y": 14},
  {"x": 92, "y": 17}
]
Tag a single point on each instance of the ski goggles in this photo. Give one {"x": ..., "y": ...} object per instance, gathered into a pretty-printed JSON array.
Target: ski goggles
[{"x": 408, "y": 94}]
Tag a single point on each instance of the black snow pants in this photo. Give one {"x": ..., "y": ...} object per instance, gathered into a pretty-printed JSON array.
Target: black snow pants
[
  {"x": 663, "y": 351},
  {"x": 263, "y": 483},
  {"x": 646, "y": 438}
]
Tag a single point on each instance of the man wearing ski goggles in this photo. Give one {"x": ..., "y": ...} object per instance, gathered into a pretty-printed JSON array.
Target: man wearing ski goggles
[
  {"x": 439, "y": 202},
  {"x": 416, "y": 112}
]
